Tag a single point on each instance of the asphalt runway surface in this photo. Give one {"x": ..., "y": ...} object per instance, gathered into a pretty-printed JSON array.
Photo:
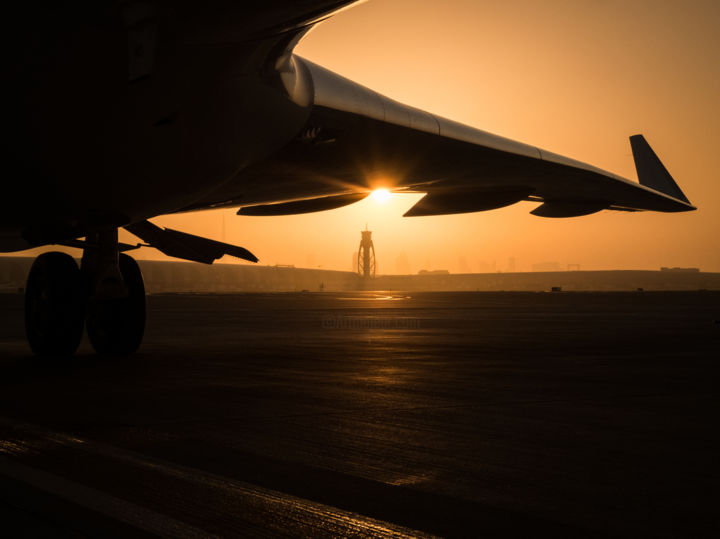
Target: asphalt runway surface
[{"x": 370, "y": 414}]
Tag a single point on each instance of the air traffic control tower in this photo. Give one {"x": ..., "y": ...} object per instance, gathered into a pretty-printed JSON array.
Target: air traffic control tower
[{"x": 366, "y": 255}]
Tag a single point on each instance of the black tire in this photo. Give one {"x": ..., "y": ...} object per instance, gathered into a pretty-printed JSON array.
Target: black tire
[
  {"x": 116, "y": 327},
  {"x": 54, "y": 305}
]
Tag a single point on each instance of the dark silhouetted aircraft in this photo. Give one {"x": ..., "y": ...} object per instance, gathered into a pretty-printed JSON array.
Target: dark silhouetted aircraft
[{"x": 120, "y": 111}]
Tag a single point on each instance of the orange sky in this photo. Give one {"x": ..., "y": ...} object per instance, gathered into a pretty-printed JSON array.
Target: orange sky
[{"x": 575, "y": 77}]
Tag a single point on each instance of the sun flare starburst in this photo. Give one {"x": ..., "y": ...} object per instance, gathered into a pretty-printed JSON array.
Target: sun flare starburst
[{"x": 381, "y": 195}]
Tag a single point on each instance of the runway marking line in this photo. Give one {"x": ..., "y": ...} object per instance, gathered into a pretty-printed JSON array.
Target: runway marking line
[{"x": 345, "y": 522}]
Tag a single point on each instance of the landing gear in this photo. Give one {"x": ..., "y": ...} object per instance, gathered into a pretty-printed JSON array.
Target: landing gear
[
  {"x": 115, "y": 318},
  {"x": 106, "y": 294},
  {"x": 116, "y": 326},
  {"x": 54, "y": 305}
]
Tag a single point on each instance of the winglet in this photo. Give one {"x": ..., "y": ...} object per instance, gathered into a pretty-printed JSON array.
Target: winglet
[{"x": 650, "y": 170}]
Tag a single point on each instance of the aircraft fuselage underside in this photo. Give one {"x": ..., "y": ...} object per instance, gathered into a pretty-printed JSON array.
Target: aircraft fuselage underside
[{"x": 133, "y": 114}]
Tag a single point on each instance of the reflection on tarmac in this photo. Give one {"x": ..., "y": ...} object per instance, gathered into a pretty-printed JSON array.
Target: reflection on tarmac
[
  {"x": 502, "y": 414},
  {"x": 376, "y": 296}
]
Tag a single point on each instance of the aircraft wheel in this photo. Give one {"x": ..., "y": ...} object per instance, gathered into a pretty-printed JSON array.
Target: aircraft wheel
[
  {"x": 116, "y": 326},
  {"x": 54, "y": 305}
]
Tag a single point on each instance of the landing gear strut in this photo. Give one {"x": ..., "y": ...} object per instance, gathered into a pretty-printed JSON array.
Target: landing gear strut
[
  {"x": 106, "y": 294},
  {"x": 115, "y": 318},
  {"x": 116, "y": 325}
]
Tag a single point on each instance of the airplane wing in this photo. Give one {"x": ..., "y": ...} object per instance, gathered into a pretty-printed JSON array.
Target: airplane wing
[{"x": 357, "y": 139}]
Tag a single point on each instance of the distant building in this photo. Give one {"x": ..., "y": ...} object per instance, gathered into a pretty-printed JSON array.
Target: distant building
[
  {"x": 547, "y": 266},
  {"x": 434, "y": 272},
  {"x": 511, "y": 265},
  {"x": 485, "y": 267},
  {"x": 681, "y": 270}
]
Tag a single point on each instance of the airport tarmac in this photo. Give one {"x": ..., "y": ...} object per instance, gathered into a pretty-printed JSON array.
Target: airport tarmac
[{"x": 373, "y": 414}]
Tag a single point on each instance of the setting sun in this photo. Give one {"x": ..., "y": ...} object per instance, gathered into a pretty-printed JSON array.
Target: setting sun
[{"x": 381, "y": 195}]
